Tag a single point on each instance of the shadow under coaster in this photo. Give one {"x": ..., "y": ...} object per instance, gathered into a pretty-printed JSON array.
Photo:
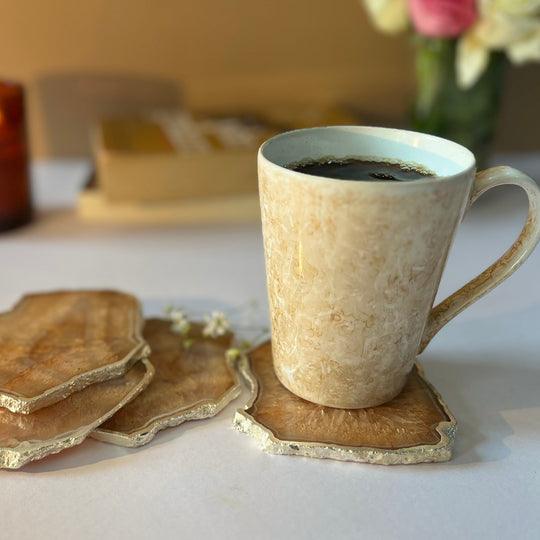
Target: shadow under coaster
[{"x": 415, "y": 427}]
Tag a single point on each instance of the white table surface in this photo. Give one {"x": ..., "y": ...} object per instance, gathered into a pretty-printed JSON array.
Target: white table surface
[{"x": 204, "y": 480}]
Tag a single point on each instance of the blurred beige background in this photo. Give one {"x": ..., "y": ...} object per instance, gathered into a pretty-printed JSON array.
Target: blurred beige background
[{"x": 81, "y": 60}]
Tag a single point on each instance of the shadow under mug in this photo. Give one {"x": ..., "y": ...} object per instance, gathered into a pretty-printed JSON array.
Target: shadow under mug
[{"x": 353, "y": 267}]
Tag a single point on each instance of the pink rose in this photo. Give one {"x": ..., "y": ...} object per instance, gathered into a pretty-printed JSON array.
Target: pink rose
[{"x": 442, "y": 18}]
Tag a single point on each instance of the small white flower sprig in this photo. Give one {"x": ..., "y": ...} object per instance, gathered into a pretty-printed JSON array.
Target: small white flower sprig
[
  {"x": 216, "y": 325},
  {"x": 179, "y": 321}
]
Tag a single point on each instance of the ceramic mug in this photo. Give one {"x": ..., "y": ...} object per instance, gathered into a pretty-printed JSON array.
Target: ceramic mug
[{"x": 353, "y": 266}]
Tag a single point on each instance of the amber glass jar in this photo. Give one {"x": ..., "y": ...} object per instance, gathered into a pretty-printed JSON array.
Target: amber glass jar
[{"x": 15, "y": 199}]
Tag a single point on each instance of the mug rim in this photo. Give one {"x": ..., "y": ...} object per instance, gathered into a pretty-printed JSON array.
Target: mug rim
[{"x": 470, "y": 166}]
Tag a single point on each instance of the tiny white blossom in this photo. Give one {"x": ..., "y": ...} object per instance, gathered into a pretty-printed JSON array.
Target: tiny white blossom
[
  {"x": 217, "y": 324},
  {"x": 179, "y": 322}
]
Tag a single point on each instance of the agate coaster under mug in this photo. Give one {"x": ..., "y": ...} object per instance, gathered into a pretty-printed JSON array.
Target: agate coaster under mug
[{"x": 414, "y": 427}]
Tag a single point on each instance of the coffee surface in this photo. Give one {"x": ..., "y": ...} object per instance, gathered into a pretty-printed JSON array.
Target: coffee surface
[{"x": 361, "y": 169}]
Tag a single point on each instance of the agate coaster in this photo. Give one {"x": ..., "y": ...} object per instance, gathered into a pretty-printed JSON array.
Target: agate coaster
[
  {"x": 415, "y": 427},
  {"x": 54, "y": 344},
  {"x": 190, "y": 384},
  {"x": 28, "y": 437}
]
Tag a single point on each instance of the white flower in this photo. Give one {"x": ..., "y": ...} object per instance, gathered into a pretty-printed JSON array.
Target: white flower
[
  {"x": 389, "y": 16},
  {"x": 512, "y": 26},
  {"x": 180, "y": 322},
  {"x": 472, "y": 59},
  {"x": 217, "y": 324},
  {"x": 498, "y": 30},
  {"x": 526, "y": 49}
]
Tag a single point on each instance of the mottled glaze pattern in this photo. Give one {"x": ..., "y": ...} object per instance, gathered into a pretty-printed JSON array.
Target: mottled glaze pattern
[
  {"x": 352, "y": 274},
  {"x": 511, "y": 260},
  {"x": 353, "y": 267}
]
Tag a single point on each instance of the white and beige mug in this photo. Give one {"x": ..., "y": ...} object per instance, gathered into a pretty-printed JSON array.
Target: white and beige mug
[{"x": 353, "y": 266}]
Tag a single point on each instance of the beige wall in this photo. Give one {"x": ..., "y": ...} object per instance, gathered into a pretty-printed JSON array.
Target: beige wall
[{"x": 82, "y": 59}]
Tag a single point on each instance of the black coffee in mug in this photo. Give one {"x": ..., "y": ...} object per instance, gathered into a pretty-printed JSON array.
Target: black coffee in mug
[{"x": 361, "y": 169}]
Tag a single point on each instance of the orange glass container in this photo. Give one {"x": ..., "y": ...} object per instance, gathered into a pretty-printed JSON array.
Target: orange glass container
[{"x": 15, "y": 197}]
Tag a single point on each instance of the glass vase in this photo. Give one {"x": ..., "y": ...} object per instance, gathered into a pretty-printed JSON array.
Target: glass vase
[{"x": 466, "y": 116}]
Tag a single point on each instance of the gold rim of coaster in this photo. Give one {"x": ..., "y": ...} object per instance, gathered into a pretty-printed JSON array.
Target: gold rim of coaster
[
  {"x": 245, "y": 421},
  {"x": 24, "y": 404},
  {"x": 166, "y": 347},
  {"x": 14, "y": 457}
]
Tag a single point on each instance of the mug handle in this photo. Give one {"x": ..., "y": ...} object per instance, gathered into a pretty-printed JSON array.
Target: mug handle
[{"x": 511, "y": 260}]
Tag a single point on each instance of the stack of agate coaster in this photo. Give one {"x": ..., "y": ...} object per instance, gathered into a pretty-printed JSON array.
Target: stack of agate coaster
[
  {"x": 72, "y": 361},
  {"x": 75, "y": 364},
  {"x": 415, "y": 427}
]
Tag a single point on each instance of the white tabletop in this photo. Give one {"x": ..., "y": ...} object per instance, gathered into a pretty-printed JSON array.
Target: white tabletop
[{"x": 204, "y": 480}]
